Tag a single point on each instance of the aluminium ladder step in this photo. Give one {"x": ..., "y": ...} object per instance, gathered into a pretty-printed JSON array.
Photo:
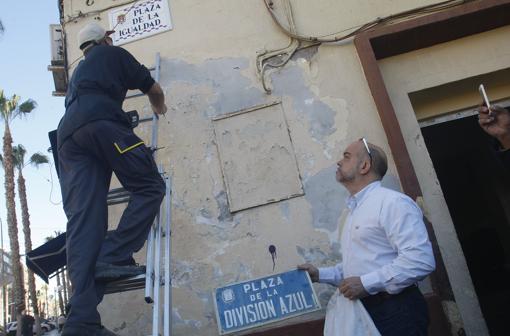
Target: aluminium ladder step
[
  {"x": 127, "y": 284},
  {"x": 117, "y": 196}
]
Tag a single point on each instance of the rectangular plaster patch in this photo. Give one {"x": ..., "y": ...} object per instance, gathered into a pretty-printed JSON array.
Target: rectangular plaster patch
[{"x": 257, "y": 158}]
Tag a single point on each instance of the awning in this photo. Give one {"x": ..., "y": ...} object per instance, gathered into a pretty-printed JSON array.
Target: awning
[{"x": 48, "y": 257}]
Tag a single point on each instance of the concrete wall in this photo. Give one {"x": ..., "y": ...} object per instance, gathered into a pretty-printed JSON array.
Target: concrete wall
[{"x": 208, "y": 70}]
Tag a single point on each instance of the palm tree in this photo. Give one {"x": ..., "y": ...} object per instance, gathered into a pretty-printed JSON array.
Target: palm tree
[
  {"x": 61, "y": 303},
  {"x": 1, "y": 27},
  {"x": 9, "y": 110},
  {"x": 19, "y": 162},
  {"x": 3, "y": 273},
  {"x": 69, "y": 285},
  {"x": 64, "y": 286},
  {"x": 46, "y": 302},
  {"x": 59, "y": 292}
]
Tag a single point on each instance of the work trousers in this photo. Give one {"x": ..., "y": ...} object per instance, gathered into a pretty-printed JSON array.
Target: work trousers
[
  {"x": 405, "y": 313},
  {"x": 86, "y": 162}
]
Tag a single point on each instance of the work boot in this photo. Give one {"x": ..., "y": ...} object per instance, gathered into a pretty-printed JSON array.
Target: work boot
[
  {"x": 86, "y": 330},
  {"x": 111, "y": 272}
]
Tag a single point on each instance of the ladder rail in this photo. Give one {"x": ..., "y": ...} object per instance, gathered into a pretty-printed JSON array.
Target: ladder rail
[
  {"x": 157, "y": 248},
  {"x": 167, "y": 317},
  {"x": 157, "y": 273},
  {"x": 155, "y": 118},
  {"x": 149, "y": 280},
  {"x": 157, "y": 280}
]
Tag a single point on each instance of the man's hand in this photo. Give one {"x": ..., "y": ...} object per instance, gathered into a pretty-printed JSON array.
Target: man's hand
[
  {"x": 496, "y": 123},
  {"x": 352, "y": 288},
  {"x": 312, "y": 271},
  {"x": 157, "y": 99},
  {"x": 160, "y": 110}
]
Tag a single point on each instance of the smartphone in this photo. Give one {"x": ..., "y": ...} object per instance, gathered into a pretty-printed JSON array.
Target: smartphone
[{"x": 481, "y": 88}]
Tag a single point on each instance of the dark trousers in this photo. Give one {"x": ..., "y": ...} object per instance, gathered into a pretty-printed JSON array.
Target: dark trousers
[
  {"x": 86, "y": 162},
  {"x": 397, "y": 315}
]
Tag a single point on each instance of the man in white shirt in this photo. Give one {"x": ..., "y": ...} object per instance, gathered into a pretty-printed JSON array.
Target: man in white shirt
[{"x": 384, "y": 244}]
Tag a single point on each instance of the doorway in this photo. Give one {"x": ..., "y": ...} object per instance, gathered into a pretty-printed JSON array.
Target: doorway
[{"x": 476, "y": 187}]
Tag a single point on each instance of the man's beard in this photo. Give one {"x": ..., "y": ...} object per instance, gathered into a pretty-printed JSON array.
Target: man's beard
[{"x": 344, "y": 177}]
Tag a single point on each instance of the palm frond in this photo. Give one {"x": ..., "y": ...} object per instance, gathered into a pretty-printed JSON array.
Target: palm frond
[
  {"x": 38, "y": 159},
  {"x": 18, "y": 155},
  {"x": 3, "y": 101},
  {"x": 2, "y": 29},
  {"x": 11, "y": 108},
  {"x": 3, "y": 104},
  {"x": 12, "y": 103},
  {"x": 27, "y": 106}
]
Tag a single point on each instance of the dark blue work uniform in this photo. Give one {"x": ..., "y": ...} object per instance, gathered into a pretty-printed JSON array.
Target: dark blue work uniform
[{"x": 94, "y": 139}]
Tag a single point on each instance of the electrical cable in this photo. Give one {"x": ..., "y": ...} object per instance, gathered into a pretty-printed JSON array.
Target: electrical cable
[
  {"x": 82, "y": 15},
  {"x": 402, "y": 15},
  {"x": 51, "y": 188},
  {"x": 263, "y": 59},
  {"x": 286, "y": 52}
]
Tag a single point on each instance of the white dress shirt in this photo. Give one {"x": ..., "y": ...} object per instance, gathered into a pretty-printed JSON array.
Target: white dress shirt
[{"x": 384, "y": 242}]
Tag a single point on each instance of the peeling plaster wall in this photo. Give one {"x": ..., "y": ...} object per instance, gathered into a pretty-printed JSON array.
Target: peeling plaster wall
[{"x": 208, "y": 70}]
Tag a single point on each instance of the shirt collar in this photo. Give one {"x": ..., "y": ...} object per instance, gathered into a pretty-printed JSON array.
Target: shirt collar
[{"x": 356, "y": 199}]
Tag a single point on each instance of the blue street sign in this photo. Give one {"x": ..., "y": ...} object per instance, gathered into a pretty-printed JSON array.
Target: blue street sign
[{"x": 256, "y": 302}]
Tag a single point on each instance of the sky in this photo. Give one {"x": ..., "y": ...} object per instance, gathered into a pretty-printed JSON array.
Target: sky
[{"x": 24, "y": 58}]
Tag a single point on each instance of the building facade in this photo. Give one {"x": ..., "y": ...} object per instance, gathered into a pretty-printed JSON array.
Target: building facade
[{"x": 264, "y": 95}]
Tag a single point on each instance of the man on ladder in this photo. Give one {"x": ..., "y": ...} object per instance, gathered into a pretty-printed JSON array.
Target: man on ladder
[{"x": 95, "y": 138}]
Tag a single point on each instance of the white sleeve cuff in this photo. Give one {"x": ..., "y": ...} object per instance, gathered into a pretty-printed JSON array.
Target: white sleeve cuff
[
  {"x": 329, "y": 275},
  {"x": 371, "y": 283}
]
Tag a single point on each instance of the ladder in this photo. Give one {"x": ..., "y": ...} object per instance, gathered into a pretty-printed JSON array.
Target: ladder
[{"x": 159, "y": 235}]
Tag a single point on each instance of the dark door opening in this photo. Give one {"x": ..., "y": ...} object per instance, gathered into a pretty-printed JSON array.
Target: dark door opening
[{"x": 476, "y": 187}]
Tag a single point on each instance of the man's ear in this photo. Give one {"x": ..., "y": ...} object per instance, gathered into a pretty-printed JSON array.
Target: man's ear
[{"x": 365, "y": 167}]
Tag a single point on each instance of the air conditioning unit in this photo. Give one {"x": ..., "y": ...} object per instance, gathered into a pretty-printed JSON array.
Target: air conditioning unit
[
  {"x": 57, "y": 66},
  {"x": 57, "y": 43}
]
